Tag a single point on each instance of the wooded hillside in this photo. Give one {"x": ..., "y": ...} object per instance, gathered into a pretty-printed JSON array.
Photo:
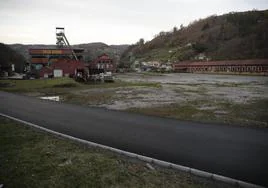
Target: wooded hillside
[
  {"x": 9, "y": 56},
  {"x": 242, "y": 35}
]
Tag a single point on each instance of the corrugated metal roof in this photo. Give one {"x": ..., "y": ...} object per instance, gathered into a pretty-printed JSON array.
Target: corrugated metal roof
[{"x": 223, "y": 63}]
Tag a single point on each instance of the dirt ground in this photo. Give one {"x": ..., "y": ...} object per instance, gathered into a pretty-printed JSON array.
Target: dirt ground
[
  {"x": 199, "y": 97},
  {"x": 180, "y": 88}
]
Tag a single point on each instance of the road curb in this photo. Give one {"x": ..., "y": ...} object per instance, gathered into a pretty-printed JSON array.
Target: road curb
[{"x": 165, "y": 164}]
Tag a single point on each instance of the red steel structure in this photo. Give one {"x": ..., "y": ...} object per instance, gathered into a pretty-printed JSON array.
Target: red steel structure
[
  {"x": 61, "y": 61},
  {"x": 68, "y": 67}
]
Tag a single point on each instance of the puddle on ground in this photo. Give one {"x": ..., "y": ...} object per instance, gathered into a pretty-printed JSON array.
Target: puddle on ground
[{"x": 51, "y": 98}]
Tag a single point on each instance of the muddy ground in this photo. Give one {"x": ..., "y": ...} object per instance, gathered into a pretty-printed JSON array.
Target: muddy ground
[
  {"x": 182, "y": 88},
  {"x": 227, "y": 99}
]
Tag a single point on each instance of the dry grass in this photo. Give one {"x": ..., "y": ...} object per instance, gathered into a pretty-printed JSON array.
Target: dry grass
[
  {"x": 30, "y": 158},
  {"x": 221, "y": 112}
]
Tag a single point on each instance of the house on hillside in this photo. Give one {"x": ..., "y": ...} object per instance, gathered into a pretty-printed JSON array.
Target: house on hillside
[
  {"x": 166, "y": 67},
  {"x": 201, "y": 57},
  {"x": 136, "y": 66},
  {"x": 155, "y": 64}
]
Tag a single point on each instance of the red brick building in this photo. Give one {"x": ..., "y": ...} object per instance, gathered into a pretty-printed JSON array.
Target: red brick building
[
  {"x": 236, "y": 66},
  {"x": 65, "y": 67},
  {"x": 103, "y": 62}
]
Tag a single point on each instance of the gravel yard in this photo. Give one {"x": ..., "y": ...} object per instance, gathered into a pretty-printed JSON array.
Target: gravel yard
[
  {"x": 182, "y": 88},
  {"x": 224, "y": 98}
]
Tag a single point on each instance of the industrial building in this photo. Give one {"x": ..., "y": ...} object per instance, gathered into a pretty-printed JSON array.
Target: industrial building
[
  {"x": 258, "y": 66},
  {"x": 63, "y": 60},
  {"x": 56, "y": 62}
]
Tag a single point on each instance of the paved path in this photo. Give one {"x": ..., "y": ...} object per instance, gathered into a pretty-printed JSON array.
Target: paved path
[{"x": 240, "y": 153}]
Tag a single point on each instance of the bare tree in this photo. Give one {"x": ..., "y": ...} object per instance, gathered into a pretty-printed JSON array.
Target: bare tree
[
  {"x": 175, "y": 29},
  {"x": 141, "y": 41}
]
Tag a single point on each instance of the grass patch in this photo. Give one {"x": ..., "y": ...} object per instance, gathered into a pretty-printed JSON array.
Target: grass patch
[
  {"x": 151, "y": 74},
  {"x": 30, "y": 158},
  {"x": 59, "y": 85},
  {"x": 36, "y": 85},
  {"x": 254, "y": 114},
  {"x": 119, "y": 83},
  {"x": 89, "y": 99},
  {"x": 178, "y": 111},
  {"x": 229, "y": 84},
  {"x": 200, "y": 90},
  {"x": 67, "y": 85}
]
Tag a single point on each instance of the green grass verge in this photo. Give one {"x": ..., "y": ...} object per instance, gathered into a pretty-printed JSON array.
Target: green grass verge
[
  {"x": 36, "y": 85},
  {"x": 222, "y": 112},
  {"x": 30, "y": 158},
  {"x": 177, "y": 111},
  {"x": 59, "y": 85},
  {"x": 64, "y": 87},
  {"x": 89, "y": 99}
]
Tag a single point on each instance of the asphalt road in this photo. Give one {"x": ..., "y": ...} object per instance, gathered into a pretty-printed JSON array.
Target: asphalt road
[{"x": 236, "y": 152}]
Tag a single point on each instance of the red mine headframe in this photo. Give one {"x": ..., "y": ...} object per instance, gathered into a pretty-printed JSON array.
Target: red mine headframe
[{"x": 63, "y": 41}]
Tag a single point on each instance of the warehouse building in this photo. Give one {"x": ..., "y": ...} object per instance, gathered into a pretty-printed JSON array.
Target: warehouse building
[
  {"x": 258, "y": 66},
  {"x": 56, "y": 62}
]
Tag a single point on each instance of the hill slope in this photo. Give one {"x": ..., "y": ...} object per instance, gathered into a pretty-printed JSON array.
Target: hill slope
[
  {"x": 9, "y": 56},
  {"x": 241, "y": 35}
]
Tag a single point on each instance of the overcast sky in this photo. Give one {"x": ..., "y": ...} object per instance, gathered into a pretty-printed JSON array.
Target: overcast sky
[{"x": 108, "y": 21}]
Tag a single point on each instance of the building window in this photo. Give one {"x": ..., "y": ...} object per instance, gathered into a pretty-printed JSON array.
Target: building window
[{"x": 37, "y": 66}]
